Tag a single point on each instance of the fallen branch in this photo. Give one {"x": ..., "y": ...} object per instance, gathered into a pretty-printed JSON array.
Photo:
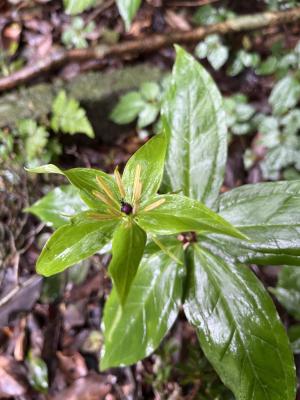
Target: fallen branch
[{"x": 148, "y": 44}]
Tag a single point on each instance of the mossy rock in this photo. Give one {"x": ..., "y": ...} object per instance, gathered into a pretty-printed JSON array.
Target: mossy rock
[{"x": 96, "y": 91}]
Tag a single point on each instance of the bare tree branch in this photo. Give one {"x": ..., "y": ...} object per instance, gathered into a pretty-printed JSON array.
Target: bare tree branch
[{"x": 148, "y": 44}]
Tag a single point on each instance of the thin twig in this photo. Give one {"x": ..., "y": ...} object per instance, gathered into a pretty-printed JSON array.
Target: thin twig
[
  {"x": 148, "y": 44},
  {"x": 195, "y": 3}
]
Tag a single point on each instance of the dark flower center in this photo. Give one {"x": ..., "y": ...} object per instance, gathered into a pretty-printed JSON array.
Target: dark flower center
[{"x": 126, "y": 208}]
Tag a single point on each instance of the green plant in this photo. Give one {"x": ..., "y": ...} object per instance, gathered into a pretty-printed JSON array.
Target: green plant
[
  {"x": 127, "y": 10},
  {"x": 278, "y": 132},
  {"x": 31, "y": 144},
  {"x": 76, "y": 34},
  {"x": 154, "y": 273},
  {"x": 143, "y": 105},
  {"x": 74, "y": 7},
  {"x": 287, "y": 292},
  {"x": 239, "y": 114},
  {"x": 214, "y": 50},
  {"x": 69, "y": 117}
]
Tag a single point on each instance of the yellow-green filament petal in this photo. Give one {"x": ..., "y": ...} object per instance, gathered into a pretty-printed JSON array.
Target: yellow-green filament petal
[
  {"x": 154, "y": 205},
  {"x": 106, "y": 200},
  {"x": 138, "y": 193},
  {"x": 99, "y": 217},
  {"x": 106, "y": 189},
  {"x": 137, "y": 186},
  {"x": 119, "y": 183},
  {"x": 113, "y": 212}
]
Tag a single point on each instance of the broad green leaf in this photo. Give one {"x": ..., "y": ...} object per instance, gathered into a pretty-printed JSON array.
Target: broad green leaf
[
  {"x": 246, "y": 252},
  {"x": 212, "y": 48},
  {"x": 150, "y": 91},
  {"x": 268, "y": 66},
  {"x": 148, "y": 115},
  {"x": 281, "y": 156},
  {"x": 83, "y": 179},
  {"x": 128, "y": 108},
  {"x": 285, "y": 95},
  {"x": 182, "y": 214},
  {"x": 127, "y": 10},
  {"x": 135, "y": 330},
  {"x": 218, "y": 56},
  {"x": 268, "y": 213},
  {"x": 56, "y": 207},
  {"x": 291, "y": 122},
  {"x": 193, "y": 111},
  {"x": 74, "y": 7},
  {"x": 150, "y": 158},
  {"x": 238, "y": 328},
  {"x": 38, "y": 372},
  {"x": 128, "y": 245},
  {"x": 69, "y": 117},
  {"x": 73, "y": 243},
  {"x": 287, "y": 290}
]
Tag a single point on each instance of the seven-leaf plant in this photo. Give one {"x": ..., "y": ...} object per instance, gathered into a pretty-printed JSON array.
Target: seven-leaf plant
[{"x": 154, "y": 273}]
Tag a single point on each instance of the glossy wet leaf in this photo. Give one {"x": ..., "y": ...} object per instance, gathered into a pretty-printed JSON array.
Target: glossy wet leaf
[
  {"x": 268, "y": 213},
  {"x": 150, "y": 158},
  {"x": 212, "y": 48},
  {"x": 74, "y": 242},
  {"x": 83, "y": 179},
  {"x": 287, "y": 290},
  {"x": 135, "y": 330},
  {"x": 248, "y": 252},
  {"x": 197, "y": 149},
  {"x": 127, "y": 10},
  {"x": 238, "y": 328},
  {"x": 38, "y": 372},
  {"x": 182, "y": 214},
  {"x": 128, "y": 245},
  {"x": 56, "y": 207},
  {"x": 285, "y": 94}
]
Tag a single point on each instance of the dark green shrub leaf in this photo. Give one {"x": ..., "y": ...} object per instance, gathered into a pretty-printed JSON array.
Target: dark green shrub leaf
[
  {"x": 128, "y": 245},
  {"x": 58, "y": 205},
  {"x": 135, "y": 330},
  {"x": 239, "y": 329},
  {"x": 193, "y": 111}
]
